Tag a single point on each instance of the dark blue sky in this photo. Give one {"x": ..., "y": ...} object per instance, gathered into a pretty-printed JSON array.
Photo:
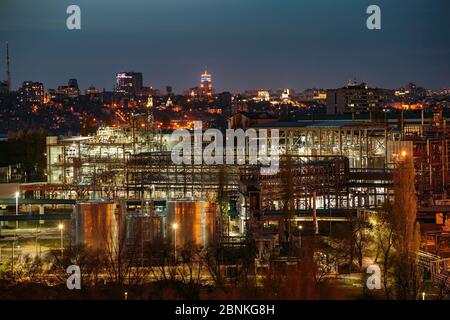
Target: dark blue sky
[{"x": 246, "y": 44}]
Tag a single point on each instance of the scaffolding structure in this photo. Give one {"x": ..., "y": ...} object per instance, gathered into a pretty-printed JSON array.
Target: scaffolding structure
[
  {"x": 321, "y": 182},
  {"x": 363, "y": 143},
  {"x": 155, "y": 175},
  {"x": 431, "y": 153},
  {"x": 135, "y": 162},
  {"x": 93, "y": 167},
  {"x": 324, "y": 176}
]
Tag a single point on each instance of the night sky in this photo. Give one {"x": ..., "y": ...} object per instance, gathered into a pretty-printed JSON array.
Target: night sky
[{"x": 246, "y": 44}]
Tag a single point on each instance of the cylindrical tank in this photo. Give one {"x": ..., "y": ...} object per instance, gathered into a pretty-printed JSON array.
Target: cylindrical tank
[
  {"x": 97, "y": 225},
  {"x": 195, "y": 221}
]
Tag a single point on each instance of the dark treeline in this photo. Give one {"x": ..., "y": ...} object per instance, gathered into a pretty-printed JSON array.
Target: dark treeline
[{"x": 27, "y": 149}]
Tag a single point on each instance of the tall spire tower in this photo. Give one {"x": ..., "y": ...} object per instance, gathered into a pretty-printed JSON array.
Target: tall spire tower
[
  {"x": 206, "y": 85},
  {"x": 8, "y": 73}
]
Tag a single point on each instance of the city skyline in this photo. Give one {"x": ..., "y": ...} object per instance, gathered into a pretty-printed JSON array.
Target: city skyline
[
  {"x": 194, "y": 84},
  {"x": 247, "y": 45},
  {"x": 237, "y": 153}
]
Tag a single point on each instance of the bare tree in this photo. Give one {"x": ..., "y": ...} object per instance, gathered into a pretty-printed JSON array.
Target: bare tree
[
  {"x": 213, "y": 257},
  {"x": 406, "y": 233},
  {"x": 398, "y": 237},
  {"x": 383, "y": 235}
]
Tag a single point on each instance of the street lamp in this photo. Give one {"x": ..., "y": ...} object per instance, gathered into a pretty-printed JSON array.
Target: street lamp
[
  {"x": 61, "y": 228},
  {"x": 175, "y": 227},
  {"x": 16, "y": 195},
  {"x": 300, "y": 227},
  {"x": 12, "y": 256}
]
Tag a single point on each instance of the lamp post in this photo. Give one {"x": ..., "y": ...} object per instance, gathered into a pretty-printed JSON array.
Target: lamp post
[
  {"x": 300, "y": 227},
  {"x": 61, "y": 228},
  {"x": 12, "y": 256},
  {"x": 17, "y": 194},
  {"x": 175, "y": 227}
]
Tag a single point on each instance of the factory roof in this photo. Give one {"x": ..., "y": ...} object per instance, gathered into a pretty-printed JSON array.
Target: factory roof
[
  {"x": 345, "y": 120},
  {"x": 297, "y": 124}
]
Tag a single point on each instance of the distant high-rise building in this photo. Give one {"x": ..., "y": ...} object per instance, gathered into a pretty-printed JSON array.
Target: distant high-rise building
[
  {"x": 91, "y": 90},
  {"x": 31, "y": 92},
  {"x": 411, "y": 91},
  {"x": 93, "y": 94},
  {"x": 71, "y": 90},
  {"x": 225, "y": 103},
  {"x": 356, "y": 98},
  {"x": 130, "y": 83},
  {"x": 206, "y": 85},
  {"x": 73, "y": 83}
]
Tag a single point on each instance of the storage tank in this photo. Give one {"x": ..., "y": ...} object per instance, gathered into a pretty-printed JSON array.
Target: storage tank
[
  {"x": 196, "y": 221},
  {"x": 98, "y": 225}
]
